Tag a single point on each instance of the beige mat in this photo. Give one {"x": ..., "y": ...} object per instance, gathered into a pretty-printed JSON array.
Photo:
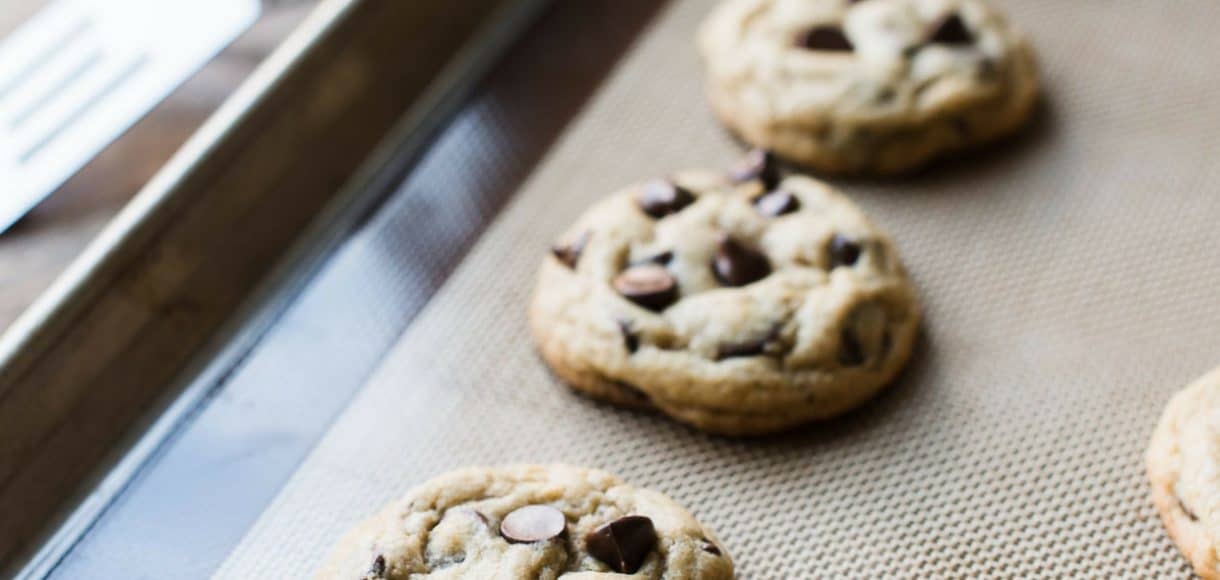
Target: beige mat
[{"x": 1071, "y": 283}]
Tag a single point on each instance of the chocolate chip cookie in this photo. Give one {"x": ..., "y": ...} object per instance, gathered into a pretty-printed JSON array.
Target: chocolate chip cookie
[
  {"x": 739, "y": 302},
  {"x": 867, "y": 86},
  {"x": 529, "y": 522},
  {"x": 1183, "y": 466}
]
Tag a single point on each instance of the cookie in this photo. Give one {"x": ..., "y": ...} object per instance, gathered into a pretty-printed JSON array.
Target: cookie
[
  {"x": 866, "y": 86},
  {"x": 739, "y": 303},
  {"x": 529, "y": 522},
  {"x": 1183, "y": 466}
]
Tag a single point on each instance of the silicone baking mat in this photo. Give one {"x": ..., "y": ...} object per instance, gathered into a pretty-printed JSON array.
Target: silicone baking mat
[{"x": 1069, "y": 279}]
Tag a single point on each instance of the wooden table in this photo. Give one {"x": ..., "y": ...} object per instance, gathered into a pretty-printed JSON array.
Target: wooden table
[{"x": 39, "y": 247}]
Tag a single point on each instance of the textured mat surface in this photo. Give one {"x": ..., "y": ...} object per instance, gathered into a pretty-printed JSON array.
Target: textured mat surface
[{"x": 1069, "y": 282}]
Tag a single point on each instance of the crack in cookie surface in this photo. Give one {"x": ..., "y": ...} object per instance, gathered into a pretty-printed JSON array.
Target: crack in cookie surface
[{"x": 800, "y": 313}]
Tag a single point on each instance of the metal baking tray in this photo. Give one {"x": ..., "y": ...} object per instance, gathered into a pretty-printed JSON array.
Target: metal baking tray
[
  {"x": 102, "y": 368},
  {"x": 1065, "y": 276}
]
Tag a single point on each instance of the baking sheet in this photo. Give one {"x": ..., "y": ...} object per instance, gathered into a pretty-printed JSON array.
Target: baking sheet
[{"x": 1069, "y": 283}]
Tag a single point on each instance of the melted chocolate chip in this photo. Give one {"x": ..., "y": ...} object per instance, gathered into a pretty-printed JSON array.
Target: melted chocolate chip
[
  {"x": 825, "y": 38},
  {"x": 569, "y": 255},
  {"x": 758, "y": 164},
  {"x": 843, "y": 251},
  {"x": 648, "y": 285},
  {"x": 751, "y": 348},
  {"x": 630, "y": 340},
  {"x": 623, "y": 544},
  {"x": 663, "y": 197},
  {"x": 533, "y": 523},
  {"x": 776, "y": 203},
  {"x": 378, "y": 567},
  {"x": 737, "y": 265},
  {"x": 662, "y": 259},
  {"x": 951, "y": 30}
]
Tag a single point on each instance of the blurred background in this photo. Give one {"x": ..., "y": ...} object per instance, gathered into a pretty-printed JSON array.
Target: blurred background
[
  {"x": 157, "y": 396},
  {"x": 41, "y": 244}
]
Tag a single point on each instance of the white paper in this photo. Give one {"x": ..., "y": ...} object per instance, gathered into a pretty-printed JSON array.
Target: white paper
[{"x": 81, "y": 72}]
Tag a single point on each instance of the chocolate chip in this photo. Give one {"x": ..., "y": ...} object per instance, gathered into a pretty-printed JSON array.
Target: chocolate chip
[
  {"x": 569, "y": 255},
  {"x": 648, "y": 285},
  {"x": 711, "y": 548},
  {"x": 378, "y": 567},
  {"x": 827, "y": 38},
  {"x": 662, "y": 259},
  {"x": 952, "y": 31},
  {"x": 533, "y": 523},
  {"x": 843, "y": 251},
  {"x": 623, "y": 544},
  {"x": 663, "y": 197},
  {"x": 776, "y": 203},
  {"x": 851, "y": 354},
  {"x": 758, "y": 164},
  {"x": 630, "y": 340},
  {"x": 737, "y": 265},
  {"x": 751, "y": 348}
]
